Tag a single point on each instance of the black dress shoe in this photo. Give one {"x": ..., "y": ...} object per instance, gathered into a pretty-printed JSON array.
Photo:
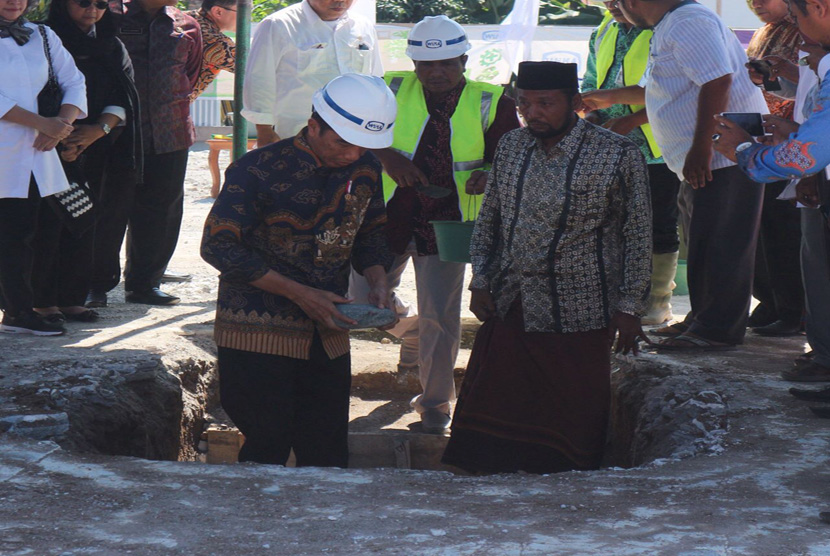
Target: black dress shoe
[
  {"x": 175, "y": 277},
  {"x": 761, "y": 316},
  {"x": 153, "y": 296},
  {"x": 96, "y": 300},
  {"x": 822, "y": 395},
  {"x": 779, "y": 328}
]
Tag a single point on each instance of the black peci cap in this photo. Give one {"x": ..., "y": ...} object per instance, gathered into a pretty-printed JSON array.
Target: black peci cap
[{"x": 546, "y": 76}]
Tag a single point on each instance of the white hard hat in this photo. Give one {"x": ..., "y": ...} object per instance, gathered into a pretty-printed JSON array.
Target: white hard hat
[
  {"x": 359, "y": 108},
  {"x": 436, "y": 38}
]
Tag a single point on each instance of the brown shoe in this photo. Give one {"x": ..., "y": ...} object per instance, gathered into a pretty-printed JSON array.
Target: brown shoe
[
  {"x": 671, "y": 330},
  {"x": 808, "y": 372}
]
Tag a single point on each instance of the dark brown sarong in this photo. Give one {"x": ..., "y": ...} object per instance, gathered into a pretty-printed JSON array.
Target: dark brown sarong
[{"x": 532, "y": 401}]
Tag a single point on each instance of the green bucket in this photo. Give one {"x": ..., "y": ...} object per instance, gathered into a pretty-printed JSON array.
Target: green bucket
[
  {"x": 680, "y": 279},
  {"x": 453, "y": 239}
]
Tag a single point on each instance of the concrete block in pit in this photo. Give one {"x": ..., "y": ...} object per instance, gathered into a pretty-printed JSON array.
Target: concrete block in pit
[
  {"x": 366, "y": 450},
  {"x": 396, "y": 450}
]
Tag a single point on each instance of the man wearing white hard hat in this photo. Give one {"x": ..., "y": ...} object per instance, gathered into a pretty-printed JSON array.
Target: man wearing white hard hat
[
  {"x": 297, "y": 50},
  {"x": 445, "y": 137},
  {"x": 290, "y": 222}
]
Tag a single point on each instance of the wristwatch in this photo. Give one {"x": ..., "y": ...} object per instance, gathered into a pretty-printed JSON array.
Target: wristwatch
[
  {"x": 106, "y": 128},
  {"x": 743, "y": 146}
]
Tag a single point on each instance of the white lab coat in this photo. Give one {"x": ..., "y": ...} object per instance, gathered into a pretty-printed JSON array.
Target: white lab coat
[
  {"x": 293, "y": 54},
  {"x": 23, "y": 73}
]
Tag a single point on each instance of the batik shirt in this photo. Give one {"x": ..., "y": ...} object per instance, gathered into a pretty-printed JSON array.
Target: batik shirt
[
  {"x": 219, "y": 52},
  {"x": 166, "y": 51},
  {"x": 568, "y": 231},
  {"x": 281, "y": 209},
  {"x": 805, "y": 153},
  {"x": 614, "y": 80}
]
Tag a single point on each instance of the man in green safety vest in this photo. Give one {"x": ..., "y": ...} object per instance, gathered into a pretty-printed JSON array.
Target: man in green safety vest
[
  {"x": 445, "y": 138},
  {"x": 618, "y": 55}
]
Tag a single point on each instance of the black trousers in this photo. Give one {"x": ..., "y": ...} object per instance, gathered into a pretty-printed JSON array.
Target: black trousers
[
  {"x": 280, "y": 403},
  {"x": 721, "y": 222},
  {"x": 114, "y": 190},
  {"x": 777, "y": 283},
  {"x": 153, "y": 209},
  {"x": 18, "y": 221},
  {"x": 62, "y": 262},
  {"x": 665, "y": 186}
]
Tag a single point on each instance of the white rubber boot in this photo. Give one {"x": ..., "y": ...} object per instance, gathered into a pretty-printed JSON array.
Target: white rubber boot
[{"x": 663, "y": 269}]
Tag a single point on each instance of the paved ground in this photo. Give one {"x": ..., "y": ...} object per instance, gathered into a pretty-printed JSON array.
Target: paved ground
[{"x": 756, "y": 490}]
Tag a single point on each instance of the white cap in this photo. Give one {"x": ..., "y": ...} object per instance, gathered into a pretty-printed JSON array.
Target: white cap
[
  {"x": 436, "y": 38},
  {"x": 359, "y": 108}
]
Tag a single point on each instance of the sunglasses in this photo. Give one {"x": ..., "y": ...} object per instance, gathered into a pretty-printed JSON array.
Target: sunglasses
[{"x": 99, "y": 5}]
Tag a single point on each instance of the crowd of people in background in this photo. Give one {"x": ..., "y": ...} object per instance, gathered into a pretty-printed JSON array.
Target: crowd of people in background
[{"x": 577, "y": 208}]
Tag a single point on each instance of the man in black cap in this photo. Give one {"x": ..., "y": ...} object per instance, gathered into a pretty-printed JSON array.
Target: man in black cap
[{"x": 561, "y": 258}]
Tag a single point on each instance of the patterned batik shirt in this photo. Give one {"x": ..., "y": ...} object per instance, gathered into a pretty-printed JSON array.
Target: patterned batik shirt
[
  {"x": 281, "y": 209},
  {"x": 219, "y": 53},
  {"x": 166, "y": 51},
  {"x": 568, "y": 231},
  {"x": 776, "y": 39},
  {"x": 614, "y": 80}
]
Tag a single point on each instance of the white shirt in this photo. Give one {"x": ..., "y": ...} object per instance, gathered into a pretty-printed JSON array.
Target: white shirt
[
  {"x": 293, "y": 54},
  {"x": 691, "y": 47},
  {"x": 23, "y": 73}
]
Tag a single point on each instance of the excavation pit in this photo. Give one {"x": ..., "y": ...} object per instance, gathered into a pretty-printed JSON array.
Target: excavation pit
[{"x": 161, "y": 410}]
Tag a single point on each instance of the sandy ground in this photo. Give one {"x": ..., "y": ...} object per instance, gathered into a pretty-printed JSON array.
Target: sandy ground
[{"x": 754, "y": 489}]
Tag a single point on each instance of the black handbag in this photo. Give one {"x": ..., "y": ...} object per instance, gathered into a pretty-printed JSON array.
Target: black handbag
[
  {"x": 74, "y": 205},
  {"x": 50, "y": 98}
]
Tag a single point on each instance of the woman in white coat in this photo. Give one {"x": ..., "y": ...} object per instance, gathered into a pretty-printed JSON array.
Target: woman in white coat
[{"x": 29, "y": 165}]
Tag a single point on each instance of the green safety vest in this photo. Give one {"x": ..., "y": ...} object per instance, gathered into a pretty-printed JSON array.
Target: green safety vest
[
  {"x": 634, "y": 65},
  {"x": 473, "y": 116}
]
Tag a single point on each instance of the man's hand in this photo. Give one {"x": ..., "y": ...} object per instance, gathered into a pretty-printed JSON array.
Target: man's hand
[
  {"x": 630, "y": 332},
  {"x": 779, "y": 67},
  {"x": 780, "y": 128},
  {"x": 815, "y": 53},
  {"x": 754, "y": 76},
  {"x": 401, "y": 169},
  {"x": 697, "y": 169},
  {"x": 476, "y": 183},
  {"x": 319, "y": 306},
  {"x": 806, "y": 192},
  {"x": 482, "y": 304},
  {"x": 596, "y": 100},
  {"x": 380, "y": 295},
  {"x": 729, "y": 136},
  {"x": 82, "y": 137},
  {"x": 70, "y": 155},
  {"x": 265, "y": 135},
  {"x": 622, "y": 125}
]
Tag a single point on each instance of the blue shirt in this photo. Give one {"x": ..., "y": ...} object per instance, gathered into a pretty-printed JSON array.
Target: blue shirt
[{"x": 806, "y": 152}]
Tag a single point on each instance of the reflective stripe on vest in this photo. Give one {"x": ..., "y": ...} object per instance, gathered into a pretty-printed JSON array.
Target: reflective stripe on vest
[
  {"x": 634, "y": 65},
  {"x": 473, "y": 116}
]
